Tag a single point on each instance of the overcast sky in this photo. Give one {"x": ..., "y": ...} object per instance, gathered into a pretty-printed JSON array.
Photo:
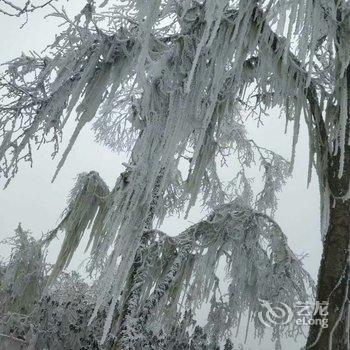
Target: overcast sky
[{"x": 34, "y": 201}]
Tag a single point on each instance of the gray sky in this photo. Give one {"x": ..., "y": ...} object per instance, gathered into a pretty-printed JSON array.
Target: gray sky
[{"x": 35, "y": 202}]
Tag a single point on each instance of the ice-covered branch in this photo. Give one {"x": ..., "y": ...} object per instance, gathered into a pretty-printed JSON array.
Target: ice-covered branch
[
  {"x": 181, "y": 87},
  {"x": 9, "y": 8},
  {"x": 87, "y": 205},
  {"x": 230, "y": 260},
  {"x": 22, "y": 281},
  {"x": 38, "y": 94},
  {"x": 185, "y": 268}
]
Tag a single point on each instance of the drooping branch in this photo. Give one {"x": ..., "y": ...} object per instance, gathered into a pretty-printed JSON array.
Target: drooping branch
[
  {"x": 175, "y": 274},
  {"x": 234, "y": 233},
  {"x": 87, "y": 205}
]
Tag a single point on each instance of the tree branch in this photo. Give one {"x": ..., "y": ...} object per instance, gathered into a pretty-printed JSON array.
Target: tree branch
[
  {"x": 12, "y": 10},
  {"x": 299, "y": 73}
]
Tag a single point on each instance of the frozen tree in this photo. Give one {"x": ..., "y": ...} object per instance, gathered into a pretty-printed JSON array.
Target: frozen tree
[{"x": 171, "y": 83}]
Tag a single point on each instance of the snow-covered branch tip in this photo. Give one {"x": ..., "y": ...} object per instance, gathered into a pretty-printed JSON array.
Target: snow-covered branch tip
[{"x": 10, "y": 8}]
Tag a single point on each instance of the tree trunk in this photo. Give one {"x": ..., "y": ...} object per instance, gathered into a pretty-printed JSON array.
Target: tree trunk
[{"x": 333, "y": 278}]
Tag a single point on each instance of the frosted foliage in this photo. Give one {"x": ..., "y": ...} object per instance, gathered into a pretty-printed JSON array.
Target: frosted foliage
[
  {"x": 60, "y": 321},
  {"x": 57, "y": 321},
  {"x": 170, "y": 82},
  {"x": 180, "y": 273},
  {"x": 15, "y": 9},
  {"x": 170, "y": 278},
  {"x": 21, "y": 279}
]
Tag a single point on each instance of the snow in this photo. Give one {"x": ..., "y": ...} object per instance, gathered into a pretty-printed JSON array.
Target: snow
[{"x": 174, "y": 92}]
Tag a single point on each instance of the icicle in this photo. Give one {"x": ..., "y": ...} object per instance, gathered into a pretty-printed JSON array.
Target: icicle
[
  {"x": 199, "y": 48},
  {"x": 297, "y": 115},
  {"x": 325, "y": 210},
  {"x": 343, "y": 117}
]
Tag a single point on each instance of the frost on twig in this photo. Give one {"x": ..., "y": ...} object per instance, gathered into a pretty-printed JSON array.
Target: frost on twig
[
  {"x": 171, "y": 82},
  {"x": 38, "y": 93},
  {"x": 87, "y": 204}
]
